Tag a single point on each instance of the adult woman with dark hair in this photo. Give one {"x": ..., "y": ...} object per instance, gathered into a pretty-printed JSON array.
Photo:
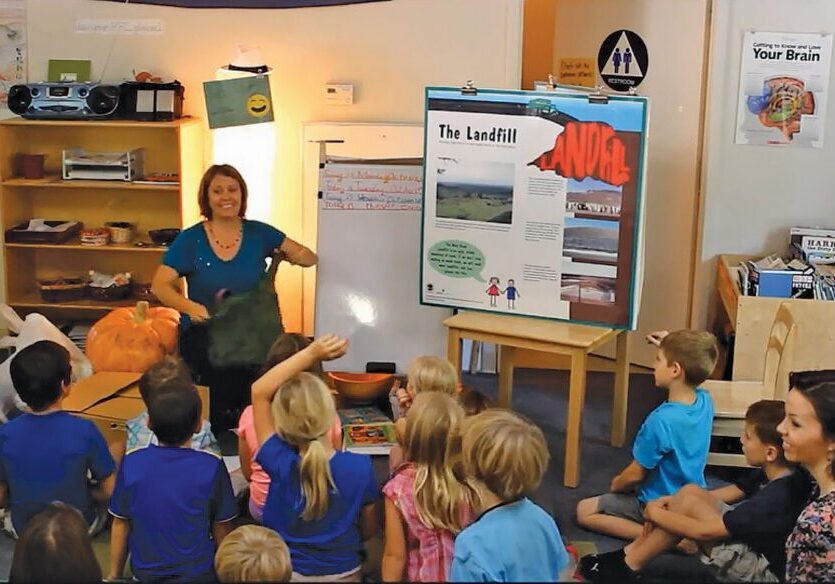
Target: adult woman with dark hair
[
  {"x": 55, "y": 547},
  {"x": 224, "y": 254},
  {"x": 808, "y": 432}
]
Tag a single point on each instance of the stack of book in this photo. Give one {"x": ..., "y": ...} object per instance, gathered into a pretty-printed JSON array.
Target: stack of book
[
  {"x": 367, "y": 430},
  {"x": 773, "y": 277},
  {"x": 812, "y": 245}
]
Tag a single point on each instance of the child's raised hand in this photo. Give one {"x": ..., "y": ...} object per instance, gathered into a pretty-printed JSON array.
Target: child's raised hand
[
  {"x": 329, "y": 347},
  {"x": 655, "y": 338}
]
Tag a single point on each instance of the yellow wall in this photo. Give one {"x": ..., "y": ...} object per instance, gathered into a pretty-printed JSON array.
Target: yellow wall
[{"x": 389, "y": 50}]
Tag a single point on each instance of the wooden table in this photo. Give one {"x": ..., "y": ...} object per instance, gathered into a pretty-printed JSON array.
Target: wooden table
[{"x": 574, "y": 340}]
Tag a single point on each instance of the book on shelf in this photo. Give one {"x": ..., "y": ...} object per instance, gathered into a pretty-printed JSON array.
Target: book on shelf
[{"x": 367, "y": 430}]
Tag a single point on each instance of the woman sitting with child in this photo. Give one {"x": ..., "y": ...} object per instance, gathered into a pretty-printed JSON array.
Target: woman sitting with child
[{"x": 808, "y": 433}]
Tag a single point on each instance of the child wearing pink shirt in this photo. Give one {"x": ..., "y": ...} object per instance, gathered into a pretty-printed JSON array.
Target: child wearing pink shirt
[{"x": 425, "y": 504}]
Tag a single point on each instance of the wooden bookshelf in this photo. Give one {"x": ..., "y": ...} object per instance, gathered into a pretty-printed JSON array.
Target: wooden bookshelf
[{"x": 169, "y": 147}]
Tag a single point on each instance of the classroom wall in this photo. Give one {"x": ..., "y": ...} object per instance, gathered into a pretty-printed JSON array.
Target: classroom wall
[
  {"x": 675, "y": 36},
  {"x": 753, "y": 194},
  {"x": 389, "y": 50}
]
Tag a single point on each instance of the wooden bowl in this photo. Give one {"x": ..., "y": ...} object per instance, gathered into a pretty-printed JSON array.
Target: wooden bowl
[{"x": 360, "y": 386}]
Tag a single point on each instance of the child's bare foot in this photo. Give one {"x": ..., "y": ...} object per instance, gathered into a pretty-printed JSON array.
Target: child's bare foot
[{"x": 688, "y": 546}]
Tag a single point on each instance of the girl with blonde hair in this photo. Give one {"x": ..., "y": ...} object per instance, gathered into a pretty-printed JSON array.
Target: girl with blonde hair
[
  {"x": 425, "y": 374},
  {"x": 321, "y": 501},
  {"x": 284, "y": 347},
  {"x": 425, "y": 505}
]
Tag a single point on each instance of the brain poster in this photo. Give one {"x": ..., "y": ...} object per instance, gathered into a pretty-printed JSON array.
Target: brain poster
[
  {"x": 783, "y": 85},
  {"x": 533, "y": 204}
]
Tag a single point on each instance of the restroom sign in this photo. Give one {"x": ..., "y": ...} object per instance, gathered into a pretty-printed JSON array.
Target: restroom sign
[{"x": 623, "y": 60}]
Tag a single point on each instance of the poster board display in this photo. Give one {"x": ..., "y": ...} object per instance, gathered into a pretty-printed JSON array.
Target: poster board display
[{"x": 533, "y": 204}]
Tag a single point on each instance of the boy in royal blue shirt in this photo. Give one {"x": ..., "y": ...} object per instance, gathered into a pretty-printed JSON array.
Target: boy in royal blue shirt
[
  {"x": 671, "y": 447},
  {"x": 170, "y": 500},
  {"x": 47, "y": 453}
]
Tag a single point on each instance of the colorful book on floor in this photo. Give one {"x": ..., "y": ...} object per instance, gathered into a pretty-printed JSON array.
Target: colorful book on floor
[
  {"x": 369, "y": 438},
  {"x": 367, "y": 430},
  {"x": 368, "y": 415}
]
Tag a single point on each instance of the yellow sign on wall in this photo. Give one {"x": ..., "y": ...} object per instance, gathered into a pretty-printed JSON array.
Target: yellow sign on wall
[{"x": 576, "y": 71}]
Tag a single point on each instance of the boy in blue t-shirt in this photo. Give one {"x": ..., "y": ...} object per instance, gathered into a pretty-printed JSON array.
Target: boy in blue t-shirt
[
  {"x": 671, "y": 447},
  {"x": 513, "y": 539},
  {"x": 47, "y": 453},
  {"x": 169, "y": 500}
]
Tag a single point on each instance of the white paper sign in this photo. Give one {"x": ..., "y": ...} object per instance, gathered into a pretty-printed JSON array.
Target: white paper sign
[{"x": 124, "y": 26}]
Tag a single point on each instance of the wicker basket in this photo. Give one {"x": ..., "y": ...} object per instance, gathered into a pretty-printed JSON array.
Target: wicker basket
[
  {"x": 120, "y": 231},
  {"x": 62, "y": 289},
  {"x": 111, "y": 293}
]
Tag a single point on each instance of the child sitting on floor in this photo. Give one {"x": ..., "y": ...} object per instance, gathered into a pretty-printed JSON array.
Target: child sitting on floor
[
  {"x": 284, "y": 347},
  {"x": 746, "y": 543},
  {"x": 426, "y": 373},
  {"x": 253, "y": 553},
  {"x": 513, "y": 539},
  {"x": 139, "y": 434},
  {"x": 473, "y": 401},
  {"x": 425, "y": 505},
  {"x": 321, "y": 501},
  {"x": 170, "y": 500},
  {"x": 55, "y": 547},
  {"x": 46, "y": 454},
  {"x": 671, "y": 447}
]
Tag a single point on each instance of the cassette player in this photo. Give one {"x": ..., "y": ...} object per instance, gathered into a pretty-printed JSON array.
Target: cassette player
[{"x": 39, "y": 101}]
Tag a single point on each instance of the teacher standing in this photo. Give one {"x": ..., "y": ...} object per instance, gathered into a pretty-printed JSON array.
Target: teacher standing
[{"x": 224, "y": 254}]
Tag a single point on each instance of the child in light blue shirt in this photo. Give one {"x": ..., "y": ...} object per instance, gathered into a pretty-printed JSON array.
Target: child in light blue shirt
[
  {"x": 513, "y": 539},
  {"x": 671, "y": 448}
]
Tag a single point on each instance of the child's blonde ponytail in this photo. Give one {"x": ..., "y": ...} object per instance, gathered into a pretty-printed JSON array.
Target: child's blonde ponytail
[{"x": 303, "y": 411}]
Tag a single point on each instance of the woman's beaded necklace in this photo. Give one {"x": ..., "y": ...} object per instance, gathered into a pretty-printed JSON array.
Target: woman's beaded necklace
[{"x": 222, "y": 245}]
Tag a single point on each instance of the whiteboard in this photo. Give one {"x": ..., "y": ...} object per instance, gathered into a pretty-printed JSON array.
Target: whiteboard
[{"x": 367, "y": 281}]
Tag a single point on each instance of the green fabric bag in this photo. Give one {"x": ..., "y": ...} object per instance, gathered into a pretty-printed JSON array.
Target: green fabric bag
[{"x": 243, "y": 328}]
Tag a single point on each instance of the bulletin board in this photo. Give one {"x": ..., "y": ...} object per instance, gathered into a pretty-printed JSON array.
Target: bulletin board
[{"x": 533, "y": 204}]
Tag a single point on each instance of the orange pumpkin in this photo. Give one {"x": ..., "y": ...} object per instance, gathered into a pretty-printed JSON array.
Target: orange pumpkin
[{"x": 132, "y": 339}]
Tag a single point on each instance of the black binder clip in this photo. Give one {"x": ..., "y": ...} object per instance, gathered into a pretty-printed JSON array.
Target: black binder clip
[
  {"x": 469, "y": 88},
  {"x": 597, "y": 96}
]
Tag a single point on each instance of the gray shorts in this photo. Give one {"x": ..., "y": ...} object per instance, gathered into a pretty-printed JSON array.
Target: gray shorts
[
  {"x": 736, "y": 562},
  {"x": 621, "y": 505}
]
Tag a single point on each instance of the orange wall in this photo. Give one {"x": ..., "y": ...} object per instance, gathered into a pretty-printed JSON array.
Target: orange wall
[{"x": 538, "y": 41}]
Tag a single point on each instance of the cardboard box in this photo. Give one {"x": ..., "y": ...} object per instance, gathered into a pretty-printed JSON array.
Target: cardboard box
[{"x": 110, "y": 399}]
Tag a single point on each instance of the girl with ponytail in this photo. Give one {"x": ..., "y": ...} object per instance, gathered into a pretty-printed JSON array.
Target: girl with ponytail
[{"x": 320, "y": 500}]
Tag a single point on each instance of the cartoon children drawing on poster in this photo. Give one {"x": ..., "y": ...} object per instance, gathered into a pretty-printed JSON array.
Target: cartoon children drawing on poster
[
  {"x": 493, "y": 291},
  {"x": 512, "y": 294}
]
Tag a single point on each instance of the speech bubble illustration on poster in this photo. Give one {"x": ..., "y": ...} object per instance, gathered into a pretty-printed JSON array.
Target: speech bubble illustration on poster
[{"x": 457, "y": 259}]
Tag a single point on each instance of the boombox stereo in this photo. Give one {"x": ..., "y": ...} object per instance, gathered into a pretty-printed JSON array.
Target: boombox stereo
[{"x": 68, "y": 101}]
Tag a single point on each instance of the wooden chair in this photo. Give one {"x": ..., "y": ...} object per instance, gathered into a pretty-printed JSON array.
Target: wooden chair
[{"x": 732, "y": 398}]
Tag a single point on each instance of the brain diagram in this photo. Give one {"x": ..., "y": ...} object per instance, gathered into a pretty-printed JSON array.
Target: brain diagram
[{"x": 783, "y": 101}]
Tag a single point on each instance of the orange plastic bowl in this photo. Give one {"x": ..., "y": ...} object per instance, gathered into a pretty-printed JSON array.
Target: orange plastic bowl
[{"x": 360, "y": 386}]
